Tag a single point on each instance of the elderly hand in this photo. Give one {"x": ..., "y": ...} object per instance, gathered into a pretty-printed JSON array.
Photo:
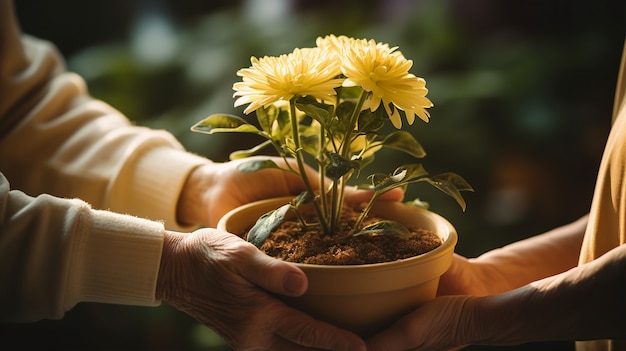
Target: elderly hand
[
  {"x": 226, "y": 283},
  {"x": 216, "y": 188}
]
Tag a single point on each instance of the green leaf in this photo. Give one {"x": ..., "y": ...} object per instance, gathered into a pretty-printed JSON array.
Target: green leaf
[
  {"x": 385, "y": 227},
  {"x": 339, "y": 166},
  {"x": 364, "y": 162},
  {"x": 224, "y": 123},
  {"x": 310, "y": 143},
  {"x": 266, "y": 224},
  {"x": 350, "y": 93},
  {"x": 341, "y": 124},
  {"x": 309, "y": 139},
  {"x": 406, "y": 142},
  {"x": 304, "y": 197},
  {"x": 252, "y": 166},
  {"x": 410, "y": 171},
  {"x": 451, "y": 184},
  {"x": 403, "y": 175},
  {"x": 235, "y": 155},
  {"x": 314, "y": 109},
  {"x": 372, "y": 122},
  {"x": 284, "y": 126},
  {"x": 266, "y": 117}
]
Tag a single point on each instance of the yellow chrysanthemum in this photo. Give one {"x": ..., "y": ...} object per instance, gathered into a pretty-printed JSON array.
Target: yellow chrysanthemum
[
  {"x": 333, "y": 44},
  {"x": 309, "y": 71},
  {"x": 384, "y": 72}
]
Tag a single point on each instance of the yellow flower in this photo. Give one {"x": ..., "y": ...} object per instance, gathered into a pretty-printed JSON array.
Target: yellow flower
[
  {"x": 384, "y": 72},
  {"x": 333, "y": 44},
  {"x": 309, "y": 71}
]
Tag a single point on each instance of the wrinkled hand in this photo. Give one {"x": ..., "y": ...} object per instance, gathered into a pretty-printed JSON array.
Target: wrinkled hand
[
  {"x": 216, "y": 188},
  {"x": 226, "y": 284},
  {"x": 442, "y": 324}
]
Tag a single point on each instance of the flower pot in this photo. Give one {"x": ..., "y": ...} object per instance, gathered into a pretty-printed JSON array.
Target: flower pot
[{"x": 365, "y": 298}]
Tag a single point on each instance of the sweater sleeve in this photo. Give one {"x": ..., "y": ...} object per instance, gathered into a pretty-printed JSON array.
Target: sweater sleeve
[
  {"x": 76, "y": 166},
  {"x": 57, "y": 252},
  {"x": 56, "y": 139}
]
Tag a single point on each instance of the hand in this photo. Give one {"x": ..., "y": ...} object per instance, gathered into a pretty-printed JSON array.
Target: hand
[
  {"x": 216, "y": 188},
  {"x": 434, "y": 326},
  {"x": 465, "y": 277},
  {"x": 226, "y": 283},
  {"x": 437, "y": 325}
]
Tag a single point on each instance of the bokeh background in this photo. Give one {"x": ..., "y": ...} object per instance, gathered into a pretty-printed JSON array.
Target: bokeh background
[{"x": 523, "y": 94}]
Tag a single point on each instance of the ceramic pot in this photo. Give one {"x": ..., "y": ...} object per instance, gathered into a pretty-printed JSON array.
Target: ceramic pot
[{"x": 365, "y": 298}]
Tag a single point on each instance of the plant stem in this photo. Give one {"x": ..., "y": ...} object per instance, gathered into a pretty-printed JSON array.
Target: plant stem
[
  {"x": 321, "y": 161},
  {"x": 363, "y": 214},
  {"x": 300, "y": 160},
  {"x": 337, "y": 192},
  {"x": 345, "y": 147}
]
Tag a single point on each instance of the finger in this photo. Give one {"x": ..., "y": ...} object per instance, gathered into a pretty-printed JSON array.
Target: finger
[
  {"x": 453, "y": 281},
  {"x": 274, "y": 275},
  {"x": 304, "y": 330},
  {"x": 388, "y": 340},
  {"x": 359, "y": 195},
  {"x": 395, "y": 194}
]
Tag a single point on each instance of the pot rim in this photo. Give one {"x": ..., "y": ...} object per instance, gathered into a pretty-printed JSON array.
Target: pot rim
[{"x": 448, "y": 242}]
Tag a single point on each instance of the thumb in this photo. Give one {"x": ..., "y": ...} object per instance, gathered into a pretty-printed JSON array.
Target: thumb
[{"x": 274, "y": 275}]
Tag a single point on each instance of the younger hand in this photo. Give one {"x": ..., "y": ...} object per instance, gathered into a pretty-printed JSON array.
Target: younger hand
[{"x": 226, "y": 283}]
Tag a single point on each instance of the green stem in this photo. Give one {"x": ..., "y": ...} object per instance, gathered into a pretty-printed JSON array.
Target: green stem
[
  {"x": 345, "y": 147},
  {"x": 321, "y": 160},
  {"x": 366, "y": 210},
  {"x": 338, "y": 193},
  {"x": 300, "y": 160}
]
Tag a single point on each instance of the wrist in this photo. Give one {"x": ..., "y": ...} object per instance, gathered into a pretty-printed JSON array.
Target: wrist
[
  {"x": 171, "y": 242},
  {"x": 191, "y": 208}
]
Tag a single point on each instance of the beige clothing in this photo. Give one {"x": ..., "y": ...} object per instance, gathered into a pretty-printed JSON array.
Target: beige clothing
[
  {"x": 55, "y": 140},
  {"x": 607, "y": 219}
]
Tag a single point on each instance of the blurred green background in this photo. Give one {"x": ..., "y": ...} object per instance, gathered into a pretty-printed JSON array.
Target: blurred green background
[{"x": 523, "y": 94}]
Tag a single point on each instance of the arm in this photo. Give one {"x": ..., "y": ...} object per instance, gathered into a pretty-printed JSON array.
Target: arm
[
  {"x": 56, "y": 139},
  {"x": 56, "y": 252},
  {"x": 516, "y": 264},
  {"x": 583, "y": 303}
]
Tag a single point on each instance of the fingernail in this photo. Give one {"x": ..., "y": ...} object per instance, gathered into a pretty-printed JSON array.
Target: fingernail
[{"x": 294, "y": 283}]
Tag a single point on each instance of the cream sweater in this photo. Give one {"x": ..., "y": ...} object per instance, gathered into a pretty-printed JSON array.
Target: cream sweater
[{"x": 59, "y": 145}]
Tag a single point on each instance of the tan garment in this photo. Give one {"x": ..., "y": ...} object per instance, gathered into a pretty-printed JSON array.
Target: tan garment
[
  {"x": 606, "y": 228},
  {"x": 57, "y": 143}
]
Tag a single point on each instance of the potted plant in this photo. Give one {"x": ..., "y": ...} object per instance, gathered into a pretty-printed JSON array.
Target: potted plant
[{"x": 328, "y": 106}]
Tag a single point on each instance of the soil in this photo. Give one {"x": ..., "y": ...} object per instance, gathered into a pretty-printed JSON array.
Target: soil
[{"x": 295, "y": 243}]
